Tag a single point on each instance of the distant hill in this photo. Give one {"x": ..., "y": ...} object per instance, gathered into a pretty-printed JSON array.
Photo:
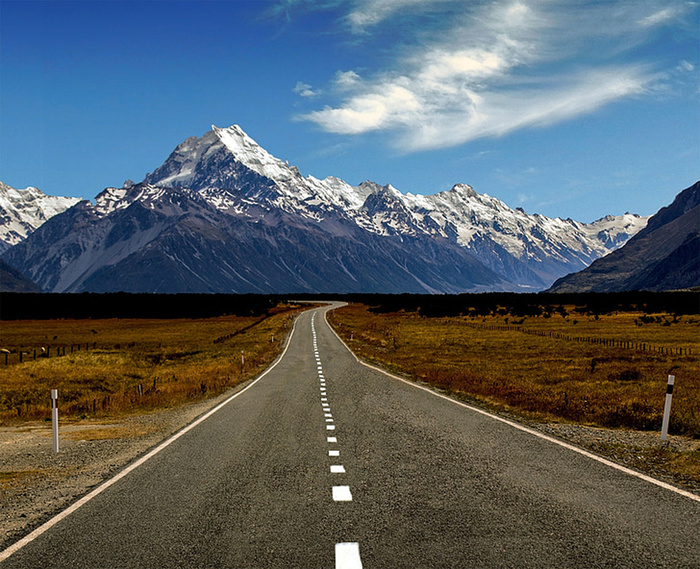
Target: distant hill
[
  {"x": 11, "y": 280},
  {"x": 665, "y": 255}
]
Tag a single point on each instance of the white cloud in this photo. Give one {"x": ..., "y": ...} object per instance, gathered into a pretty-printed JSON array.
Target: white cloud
[
  {"x": 346, "y": 79},
  {"x": 660, "y": 17},
  {"x": 501, "y": 66},
  {"x": 499, "y": 113},
  {"x": 369, "y": 13},
  {"x": 685, "y": 66},
  {"x": 304, "y": 90}
]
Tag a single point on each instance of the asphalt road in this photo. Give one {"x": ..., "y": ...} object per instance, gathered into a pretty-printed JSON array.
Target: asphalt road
[{"x": 325, "y": 463}]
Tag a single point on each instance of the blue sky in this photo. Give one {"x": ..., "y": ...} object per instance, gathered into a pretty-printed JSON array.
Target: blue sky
[{"x": 563, "y": 107}]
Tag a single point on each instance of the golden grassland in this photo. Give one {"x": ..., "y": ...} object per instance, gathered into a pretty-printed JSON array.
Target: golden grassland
[
  {"x": 131, "y": 365},
  {"x": 575, "y": 375},
  {"x": 521, "y": 367}
]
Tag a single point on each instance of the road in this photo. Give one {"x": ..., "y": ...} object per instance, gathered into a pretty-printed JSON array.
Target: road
[{"x": 325, "y": 463}]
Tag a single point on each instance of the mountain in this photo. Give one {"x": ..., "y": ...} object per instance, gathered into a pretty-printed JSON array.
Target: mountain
[
  {"x": 665, "y": 255},
  {"x": 223, "y": 215},
  {"x": 22, "y": 211},
  {"x": 11, "y": 280}
]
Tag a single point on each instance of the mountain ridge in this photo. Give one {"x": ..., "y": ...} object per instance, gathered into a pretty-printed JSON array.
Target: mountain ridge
[
  {"x": 22, "y": 211},
  {"x": 664, "y": 255},
  {"x": 223, "y": 188}
]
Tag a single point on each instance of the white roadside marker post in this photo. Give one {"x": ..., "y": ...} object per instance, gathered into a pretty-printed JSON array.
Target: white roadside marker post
[
  {"x": 667, "y": 407},
  {"x": 54, "y": 418}
]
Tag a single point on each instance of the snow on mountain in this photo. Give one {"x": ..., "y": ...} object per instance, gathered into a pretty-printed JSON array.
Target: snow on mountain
[
  {"x": 223, "y": 214},
  {"x": 665, "y": 255},
  {"x": 475, "y": 221},
  {"x": 22, "y": 211}
]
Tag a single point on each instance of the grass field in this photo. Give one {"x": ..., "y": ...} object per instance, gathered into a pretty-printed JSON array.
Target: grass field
[
  {"x": 556, "y": 368},
  {"x": 119, "y": 366}
]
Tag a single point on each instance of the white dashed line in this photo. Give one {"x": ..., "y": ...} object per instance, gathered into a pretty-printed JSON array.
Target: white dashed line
[
  {"x": 342, "y": 494},
  {"x": 347, "y": 556}
]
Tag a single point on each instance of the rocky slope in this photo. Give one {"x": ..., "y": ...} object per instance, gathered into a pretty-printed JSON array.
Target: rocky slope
[
  {"x": 223, "y": 215},
  {"x": 22, "y": 211},
  {"x": 665, "y": 255}
]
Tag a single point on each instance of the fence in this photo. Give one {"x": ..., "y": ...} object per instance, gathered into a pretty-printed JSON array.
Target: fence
[{"x": 611, "y": 342}]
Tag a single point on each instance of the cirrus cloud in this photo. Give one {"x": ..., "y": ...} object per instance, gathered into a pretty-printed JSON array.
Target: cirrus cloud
[{"x": 500, "y": 66}]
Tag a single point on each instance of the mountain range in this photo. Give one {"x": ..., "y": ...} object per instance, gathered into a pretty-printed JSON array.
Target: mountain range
[
  {"x": 223, "y": 215},
  {"x": 22, "y": 211},
  {"x": 665, "y": 255}
]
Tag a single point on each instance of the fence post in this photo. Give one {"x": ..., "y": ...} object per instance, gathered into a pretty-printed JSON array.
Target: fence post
[
  {"x": 54, "y": 418},
  {"x": 667, "y": 407}
]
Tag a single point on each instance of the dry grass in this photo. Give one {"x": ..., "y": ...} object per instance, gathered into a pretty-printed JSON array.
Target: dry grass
[
  {"x": 135, "y": 365},
  {"x": 541, "y": 376},
  {"x": 524, "y": 371},
  {"x": 107, "y": 432}
]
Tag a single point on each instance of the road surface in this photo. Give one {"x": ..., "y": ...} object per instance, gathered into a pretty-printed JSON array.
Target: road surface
[{"x": 325, "y": 463}]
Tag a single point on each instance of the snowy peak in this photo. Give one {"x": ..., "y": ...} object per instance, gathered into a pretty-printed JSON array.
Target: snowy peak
[
  {"x": 180, "y": 167},
  {"x": 22, "y": 211},
  {"x": 614, "y": 230},
  {"x": 465, "y": 191},
  {"x": 235, "y": 174},
  {"x": 224, "y": 181},
  {"x": 251, "y": 154}
]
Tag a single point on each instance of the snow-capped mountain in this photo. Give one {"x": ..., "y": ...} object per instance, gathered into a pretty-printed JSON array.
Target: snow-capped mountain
[
  {"x": 22, "y": 211},
  {"x": 223, "y": 215},
  {"x": 665, "y": 255}
]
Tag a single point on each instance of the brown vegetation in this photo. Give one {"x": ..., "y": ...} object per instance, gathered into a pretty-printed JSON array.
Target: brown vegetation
[
  {"x": 130, "y": 365},
  {"x": 569, "y": 375},
  {"x": 606, "y": 370}
]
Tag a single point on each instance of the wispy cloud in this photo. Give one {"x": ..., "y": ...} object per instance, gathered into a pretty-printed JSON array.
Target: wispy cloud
[
  {"x": 369, "y": 13},
  {"x": 304, "y": 90},
  {"x": 499, "y": 66},
  {"x": 660, "y": 17}
]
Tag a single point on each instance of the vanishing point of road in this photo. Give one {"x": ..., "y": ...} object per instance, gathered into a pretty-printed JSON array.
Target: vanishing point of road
[{"x": 323, "y": 462}]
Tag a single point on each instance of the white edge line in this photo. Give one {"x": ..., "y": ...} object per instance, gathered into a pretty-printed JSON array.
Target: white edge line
[
  {"x": 520, "y": 427},
  {"x": 133, "y": 466}
]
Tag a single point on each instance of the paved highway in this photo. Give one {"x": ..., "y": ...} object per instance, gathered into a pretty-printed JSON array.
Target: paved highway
[{"x": 325, "y": 463}]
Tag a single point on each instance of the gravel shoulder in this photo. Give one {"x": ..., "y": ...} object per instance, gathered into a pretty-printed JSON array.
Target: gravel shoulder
[{"x": 36, "y": 484}]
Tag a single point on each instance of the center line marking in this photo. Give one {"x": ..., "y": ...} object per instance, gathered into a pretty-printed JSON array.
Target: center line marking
[
  {"x": 330, "y": 427},
  {"x": 337, "y": 469},
  {"x": 327, "y": 415},
  {"x": 342, "y": 494},
  {"x": 332, "y": 440},
  {"x": 333, "y": 452},
  {"x": 347, "y": 556}
]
